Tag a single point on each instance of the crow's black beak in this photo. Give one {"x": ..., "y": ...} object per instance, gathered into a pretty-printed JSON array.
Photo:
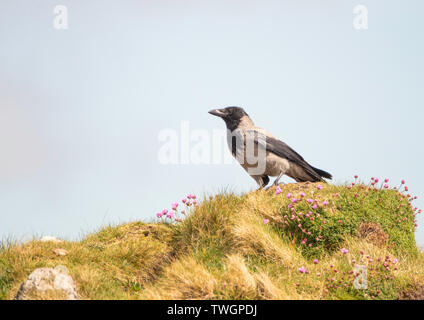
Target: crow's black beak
[{"x": 218, "y": 112}]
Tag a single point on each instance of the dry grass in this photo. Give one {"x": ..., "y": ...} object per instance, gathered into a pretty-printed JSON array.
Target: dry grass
[
  {"x": 183, "y": 279},
  {"x": 224, "y": 250}
]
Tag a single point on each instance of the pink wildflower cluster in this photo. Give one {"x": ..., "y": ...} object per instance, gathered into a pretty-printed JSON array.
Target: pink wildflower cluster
[
  {"x": 278, "y": 190},
  {"x": 344, "y": 250},
  {"x": 303, "y": 270},
  {"x": 176, "y": 214},
  {"x": 308, "y": 216},
  {"x": 297, "y": 218},
  {"x": 376, "y": 184}
]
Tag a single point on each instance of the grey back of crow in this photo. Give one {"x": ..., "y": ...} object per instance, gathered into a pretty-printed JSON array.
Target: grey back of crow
[{"x": 280, "y": 159}]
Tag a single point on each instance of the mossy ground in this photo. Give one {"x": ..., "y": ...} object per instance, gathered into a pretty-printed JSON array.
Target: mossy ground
[{"x": 244, "y": 247}]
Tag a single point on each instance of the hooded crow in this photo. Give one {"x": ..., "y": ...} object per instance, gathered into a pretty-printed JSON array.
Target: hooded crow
[{"x": 246, "y": 141}]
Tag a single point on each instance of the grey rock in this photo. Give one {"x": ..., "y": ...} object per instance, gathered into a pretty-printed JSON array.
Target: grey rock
[{"x": 48, "y": 283}]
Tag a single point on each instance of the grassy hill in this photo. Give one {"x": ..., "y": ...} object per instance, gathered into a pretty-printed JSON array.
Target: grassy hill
[{"x": 302, "y": 241}]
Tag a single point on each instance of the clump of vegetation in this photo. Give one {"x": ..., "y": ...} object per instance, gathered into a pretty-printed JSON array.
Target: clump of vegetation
[
  {"x": 319, "y": 219},
  {"x": 297, "y": 241}
]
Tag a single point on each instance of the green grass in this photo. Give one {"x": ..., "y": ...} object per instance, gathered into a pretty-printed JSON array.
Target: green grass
[{"x": 224, "y": 250}]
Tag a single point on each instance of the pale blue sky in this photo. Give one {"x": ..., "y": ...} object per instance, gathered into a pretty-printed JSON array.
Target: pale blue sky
[{"x": 80, "y": 110}]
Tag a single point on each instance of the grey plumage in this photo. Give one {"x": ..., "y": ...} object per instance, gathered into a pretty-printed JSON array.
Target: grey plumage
[{"x": 280, "y": 159}]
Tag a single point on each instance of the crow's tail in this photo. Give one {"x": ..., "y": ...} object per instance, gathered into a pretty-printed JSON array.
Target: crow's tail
[{"x": 322, "y": 173}]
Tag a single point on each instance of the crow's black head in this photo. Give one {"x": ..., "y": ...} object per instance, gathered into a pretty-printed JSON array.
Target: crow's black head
[{"x": 231, "y": 115}]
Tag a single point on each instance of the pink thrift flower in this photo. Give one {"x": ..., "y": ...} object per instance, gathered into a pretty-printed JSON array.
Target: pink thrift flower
[
  {"x": 302, "y": 194},
  {"x": 314, "y": 206},
  {"x": 302, "y": 269},
  {"x": 289, "y": 195},
  {"x": 315, "y": 261},
  {"x": 159, "y": 214},
  {"x": 325, "y": 203},
  {"x": 344, "y": 250},
  {"x": 319, "y": 187},
  {"x": 278, "y": 190},
  {"x": 195, "y": 201},
  {"x": 386, "y": 186},
  {"x": 174, "y": 206},
  {"x": 170, "y": 215},
  {"x": 356, "y": 176},
  {"x": 310, "y": 200},
  {"x": 395, "y": 260},
  {"x": 386, "y": 180},
  {"x": 293, "y": 200},
  {"x": 184, "y": 200},
  {"x": 164, "y": 211},
  {"x": 266, "y": 221}
]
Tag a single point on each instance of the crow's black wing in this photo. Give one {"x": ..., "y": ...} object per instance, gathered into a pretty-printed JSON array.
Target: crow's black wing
[{"x": 284, "y": 151}]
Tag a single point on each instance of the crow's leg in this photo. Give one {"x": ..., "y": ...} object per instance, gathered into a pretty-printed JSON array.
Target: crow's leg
[
  {"x": 275, "y": 183},
  {"x": 278, "y": 179},
  {"x": 262, "y": 181}
]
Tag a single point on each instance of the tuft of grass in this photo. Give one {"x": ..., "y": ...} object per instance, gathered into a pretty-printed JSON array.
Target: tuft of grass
[
  {"x": 260, "y": 245},
  {"x": 205, "y": 233}
]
